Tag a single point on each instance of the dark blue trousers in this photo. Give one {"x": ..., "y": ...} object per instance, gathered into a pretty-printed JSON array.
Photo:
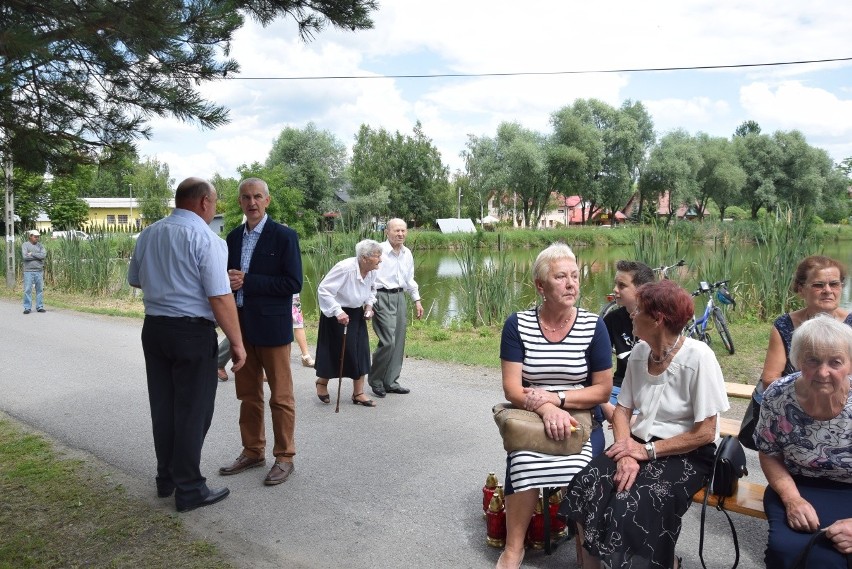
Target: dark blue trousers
[{"x": 180, "y": 362}]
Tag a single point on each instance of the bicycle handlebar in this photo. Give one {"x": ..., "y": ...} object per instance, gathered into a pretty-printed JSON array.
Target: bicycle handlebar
[{"x": 712, "y": 287}]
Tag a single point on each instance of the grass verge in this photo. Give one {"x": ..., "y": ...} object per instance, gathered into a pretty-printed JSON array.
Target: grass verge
[{"x": 60, "y": 512}]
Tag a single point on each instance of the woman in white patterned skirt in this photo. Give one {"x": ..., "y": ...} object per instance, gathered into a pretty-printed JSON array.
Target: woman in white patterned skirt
[
  {"x": 555, "y": 358},
  {"x": 630, "y": 499}
]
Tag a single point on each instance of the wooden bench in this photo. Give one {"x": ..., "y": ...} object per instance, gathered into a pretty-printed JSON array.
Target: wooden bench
[
  {"x": 739, "y": 390},
  {"x": 729, "y": 426},
  {"x": 747, "y": 501}
]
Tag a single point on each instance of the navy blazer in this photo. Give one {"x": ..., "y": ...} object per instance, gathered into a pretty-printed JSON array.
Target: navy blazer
[{"x": 274, "y": 276}]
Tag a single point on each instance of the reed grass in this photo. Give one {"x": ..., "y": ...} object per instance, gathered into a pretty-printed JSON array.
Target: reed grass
[{"x": 489, "y": 287}]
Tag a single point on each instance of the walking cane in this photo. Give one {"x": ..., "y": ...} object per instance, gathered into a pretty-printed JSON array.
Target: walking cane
[{"x": 340, "y": 375}]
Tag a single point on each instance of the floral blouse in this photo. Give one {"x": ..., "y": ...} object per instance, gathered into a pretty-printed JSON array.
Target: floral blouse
[{"x": 808, "y": 447}]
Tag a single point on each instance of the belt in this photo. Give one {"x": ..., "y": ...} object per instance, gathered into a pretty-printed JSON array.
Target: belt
[
  {"x": 186, "y": 319},
  {"x": 390, "y": 289}
]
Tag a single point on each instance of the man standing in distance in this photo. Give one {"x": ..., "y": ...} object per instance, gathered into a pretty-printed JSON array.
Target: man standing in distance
[
  {"x": 33, "y": 254},
  {"x": 396, "y": 276},
  {"x": 265, "y": 269},
  {"x": 180, "y": 265}
]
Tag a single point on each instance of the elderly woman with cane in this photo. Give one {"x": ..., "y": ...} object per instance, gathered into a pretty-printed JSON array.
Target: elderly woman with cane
[
  {"x": 346, "y": 297},
  {"x": 804, "y": 437}
]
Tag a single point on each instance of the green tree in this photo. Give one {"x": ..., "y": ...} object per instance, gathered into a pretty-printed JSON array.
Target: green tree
[
  {"x": 760, "y": 159},
  {"x": 152, "y": 187},
  {"x": 720, "y": 177},
  {"x": 599, "y": 151},
  {"x": 315, "y": 161},
  {"x": 112, "y": 170},
  {"x": 79, "y": 76},
  {"x": 804, "y": 171},
  {"x": 30, "y": 196},
  {"x": 409, "y": 168},
  {"x": 524, "y": 158},
  {"x": 65, "y": 209},
  {"x": 485, "y": 175},
  {"x": 672, "y": 168},
  {"x": 834, "y": 206}
]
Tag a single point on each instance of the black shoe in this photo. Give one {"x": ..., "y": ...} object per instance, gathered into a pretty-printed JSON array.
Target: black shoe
[
  {"x": 26, "y": 311},
  {"x": 212, "y": 498},
  {"x": 399, "y": 389},
  {"x": 379, "y": 391},
  {"x": 40, "y": 310},
  {"x": 165, "y": 492}
]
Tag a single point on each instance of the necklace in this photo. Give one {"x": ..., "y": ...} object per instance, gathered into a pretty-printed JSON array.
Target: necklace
[
  {"x": 666, "y": 353},
  {"x": 556, "y": 328}
]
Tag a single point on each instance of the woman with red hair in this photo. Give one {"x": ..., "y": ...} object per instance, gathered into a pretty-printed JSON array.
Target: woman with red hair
[{"x": 630, "y": 499}]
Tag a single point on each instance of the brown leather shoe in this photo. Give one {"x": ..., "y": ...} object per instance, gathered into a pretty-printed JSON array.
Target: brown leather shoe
[
  {"x": 242, "y": 463},
  {"x": 279, "y": 472}
]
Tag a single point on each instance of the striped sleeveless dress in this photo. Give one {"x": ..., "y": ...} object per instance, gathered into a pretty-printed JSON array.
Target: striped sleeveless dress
[{"x": 554, "y": 366}]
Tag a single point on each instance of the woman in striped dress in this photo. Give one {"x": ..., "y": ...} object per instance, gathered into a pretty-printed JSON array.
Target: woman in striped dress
[{"x": 555, "y": 358}]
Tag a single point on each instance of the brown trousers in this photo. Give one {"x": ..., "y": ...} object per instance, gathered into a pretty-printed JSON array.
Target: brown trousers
[{"x": 275, "y": 361}]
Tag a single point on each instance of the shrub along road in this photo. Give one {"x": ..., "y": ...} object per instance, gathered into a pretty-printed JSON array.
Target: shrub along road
[{"x": 395, "y": 486}]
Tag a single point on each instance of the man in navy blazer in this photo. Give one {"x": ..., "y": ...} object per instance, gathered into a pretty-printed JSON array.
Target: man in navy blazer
[{"x": 265, "y": 270}]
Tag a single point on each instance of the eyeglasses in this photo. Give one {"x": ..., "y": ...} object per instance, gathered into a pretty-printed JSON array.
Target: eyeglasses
[{"x": 819, "y": 285}]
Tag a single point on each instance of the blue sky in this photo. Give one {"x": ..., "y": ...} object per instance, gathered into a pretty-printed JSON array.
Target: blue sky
[{"x": 497, "y": 36}]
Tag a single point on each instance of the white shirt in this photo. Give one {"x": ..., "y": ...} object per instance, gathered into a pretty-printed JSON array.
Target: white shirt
[
  {"x": 690, "y": 390},
  {"x": 397, "y": 270},
  {"x": 344, "y": 286}
]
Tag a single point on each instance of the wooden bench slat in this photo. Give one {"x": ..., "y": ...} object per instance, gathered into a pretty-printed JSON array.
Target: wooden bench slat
[
  {"x": 729, "y": 426},
  {"x": 748, "y": 500},
  {"x": 739, "y": 390}
]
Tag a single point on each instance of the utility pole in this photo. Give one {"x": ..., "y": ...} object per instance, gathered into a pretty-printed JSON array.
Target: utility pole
[
  {"x": 130, "y": 219},
  {"x": 10, "y": 224}
]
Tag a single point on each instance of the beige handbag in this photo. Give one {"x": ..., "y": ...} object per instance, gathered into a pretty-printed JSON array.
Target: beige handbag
[{"x": 524, "y": 430}]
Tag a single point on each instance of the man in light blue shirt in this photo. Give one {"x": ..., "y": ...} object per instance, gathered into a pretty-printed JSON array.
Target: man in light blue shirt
[{"x": 180, "y": 265}]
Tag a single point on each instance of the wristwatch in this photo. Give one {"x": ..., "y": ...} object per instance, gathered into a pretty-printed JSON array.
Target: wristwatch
[
  {"x": 649, "y": 448},
  {"x": 561, "y": 395}
]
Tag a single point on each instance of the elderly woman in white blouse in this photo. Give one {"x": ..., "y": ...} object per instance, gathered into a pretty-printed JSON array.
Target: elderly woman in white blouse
[{"x": 346, "y": 297}]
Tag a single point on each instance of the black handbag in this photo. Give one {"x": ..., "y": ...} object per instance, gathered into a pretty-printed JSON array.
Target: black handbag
[
  {"x": 801, "y": 561},
  {"x": 729, "y": 465},
  {"x": 749, "y": 424}
]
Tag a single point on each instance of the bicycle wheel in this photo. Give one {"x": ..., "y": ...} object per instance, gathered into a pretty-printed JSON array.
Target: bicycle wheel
[
  {"x": 691, "y": 330},
  {"x": 609, "y": 307},
  {"x": 722, "y": 327}
]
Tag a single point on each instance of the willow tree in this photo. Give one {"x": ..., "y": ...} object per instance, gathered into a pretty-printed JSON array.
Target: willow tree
[{"x": 80, "y": 77}]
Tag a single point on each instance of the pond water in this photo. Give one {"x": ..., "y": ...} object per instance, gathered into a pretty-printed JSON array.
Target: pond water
[{"x": 438, "y": 274}]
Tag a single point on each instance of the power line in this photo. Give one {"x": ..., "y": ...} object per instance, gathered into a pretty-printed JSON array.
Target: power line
[{"x": 528, "y": 73}]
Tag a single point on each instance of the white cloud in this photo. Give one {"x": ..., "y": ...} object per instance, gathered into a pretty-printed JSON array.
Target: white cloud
[
  {"x": 541, "y": 36},
  {"x": 792, "y": 105}
]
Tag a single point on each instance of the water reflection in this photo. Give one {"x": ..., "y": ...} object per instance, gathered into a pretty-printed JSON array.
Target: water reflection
[{"x": 439, "y": 275}]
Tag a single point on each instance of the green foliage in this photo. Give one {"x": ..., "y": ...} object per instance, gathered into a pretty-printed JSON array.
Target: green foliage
[
  {"x": 65, "y": 209},
  {"x": 736, "y": 213},
  {"x": 489, "y": 287},
  {"x": 783, "y": 241},
  {"x": 409, "y": 168},
  {"x": 151, "y": 186},
  {"x": 76, "y": 80},
  {"x": 315, "y": 162},
  {"x": 30, "y": 196},
  {"x": 673, "y": 169}
]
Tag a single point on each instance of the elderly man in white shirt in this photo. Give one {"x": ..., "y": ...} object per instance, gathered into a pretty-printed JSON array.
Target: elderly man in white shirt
[
  {"x": 346, "y": 298},
  {"x": 396, "y": 277}
]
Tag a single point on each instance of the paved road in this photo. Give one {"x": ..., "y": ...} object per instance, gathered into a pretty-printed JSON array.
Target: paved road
[{"x": 397, "y": 486}]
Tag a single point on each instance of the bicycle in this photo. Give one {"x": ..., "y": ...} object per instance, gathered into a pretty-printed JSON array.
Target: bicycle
[
  {"x": 699, "y": 328},
  {"x": 663, "y": 273}
]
